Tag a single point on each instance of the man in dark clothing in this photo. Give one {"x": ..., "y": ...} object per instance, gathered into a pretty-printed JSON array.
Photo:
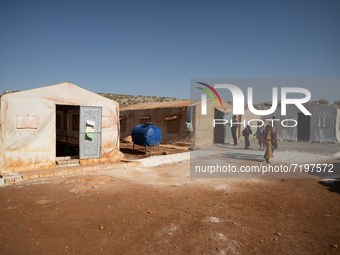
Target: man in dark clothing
[
  {"x": 247, "y": 132},
  {"x": 234, "y": 129}
]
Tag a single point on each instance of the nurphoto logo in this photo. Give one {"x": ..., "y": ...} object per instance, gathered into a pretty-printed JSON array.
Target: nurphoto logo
[{"x": 238, "y": 102}]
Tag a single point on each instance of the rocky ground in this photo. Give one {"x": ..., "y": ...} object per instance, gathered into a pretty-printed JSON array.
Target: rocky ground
[{"x": 161, "y": 210}]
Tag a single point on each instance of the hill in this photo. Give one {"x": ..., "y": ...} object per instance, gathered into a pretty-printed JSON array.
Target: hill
[{"x": 125, "y": 100}]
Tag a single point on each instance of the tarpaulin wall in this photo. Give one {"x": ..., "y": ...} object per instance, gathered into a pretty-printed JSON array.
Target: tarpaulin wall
[
  {"x": 171, "y": 121},
  {"x": 324, "y": 123},
  {"x": 28, "y": 123},
  {"x": 337, "y": 127},
  {"x": 203, "y": 130}
]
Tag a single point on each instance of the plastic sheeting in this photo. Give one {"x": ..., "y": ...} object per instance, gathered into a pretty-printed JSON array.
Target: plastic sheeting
[
  {"x": 170, "y": 120},
  {"x": 29, "y": 145},
  {"x": 324, "y": 123},
  {"x": 228, "y": 138},
  {"x": 337, "y": 126},
  {"x": 203, "y": 134}
]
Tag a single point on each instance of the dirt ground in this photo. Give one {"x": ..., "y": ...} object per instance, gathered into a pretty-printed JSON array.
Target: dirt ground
[{"x": 161, "y": 210}]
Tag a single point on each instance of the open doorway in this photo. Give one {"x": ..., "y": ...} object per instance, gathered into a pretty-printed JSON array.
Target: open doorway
[
  {"x": 218, "y": 129},
  {"x": 67, "y": 130},
  {"x": 303, "y": 127}
]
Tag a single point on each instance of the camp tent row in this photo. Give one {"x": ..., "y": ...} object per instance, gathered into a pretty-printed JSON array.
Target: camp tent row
[
  {"x": 40, "y": 125},
  {"x": 322, "y": 126}
]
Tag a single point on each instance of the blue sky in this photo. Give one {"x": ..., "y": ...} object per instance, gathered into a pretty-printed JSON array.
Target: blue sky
[{"x": 155, "y": 47}]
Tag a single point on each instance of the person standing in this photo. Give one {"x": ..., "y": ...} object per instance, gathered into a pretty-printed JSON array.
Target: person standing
[
  {"x": 268, "y": 141},
  {"x": 234, "y": 129},
  {"x": 247, "y": 131},
  {"x": 259, "y": 135},
  {"x": 274, "y": 141}
]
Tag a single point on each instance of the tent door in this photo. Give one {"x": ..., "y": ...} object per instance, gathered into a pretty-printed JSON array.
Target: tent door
[
  {"x": 90, "y": 132},
  {"x": 303, "y": 127},
  {"x": 218, "y": 129}
]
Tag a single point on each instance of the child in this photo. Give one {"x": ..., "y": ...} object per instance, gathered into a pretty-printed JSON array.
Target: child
[
  {"x": 259, "y": 135},
  {"x": 247, "y": 131}
]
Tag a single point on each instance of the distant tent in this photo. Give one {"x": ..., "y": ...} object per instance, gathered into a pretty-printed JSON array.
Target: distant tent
[{"x": 322, "y": 126}]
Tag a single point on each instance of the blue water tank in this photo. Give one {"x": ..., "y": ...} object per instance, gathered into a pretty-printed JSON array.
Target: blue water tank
[{"x": 146, "y": 135}]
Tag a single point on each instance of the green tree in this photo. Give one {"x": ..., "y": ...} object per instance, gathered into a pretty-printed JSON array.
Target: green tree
[{"x": 323, "y": 101}]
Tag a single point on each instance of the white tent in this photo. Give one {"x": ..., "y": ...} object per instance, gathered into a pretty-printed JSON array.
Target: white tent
[
  {"x": 321, "y": 126},
  {"x": 35, "y": 122}
]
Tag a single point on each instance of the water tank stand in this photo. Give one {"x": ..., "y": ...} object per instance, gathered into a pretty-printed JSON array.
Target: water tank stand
[{"x": 145, "y": 148}]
